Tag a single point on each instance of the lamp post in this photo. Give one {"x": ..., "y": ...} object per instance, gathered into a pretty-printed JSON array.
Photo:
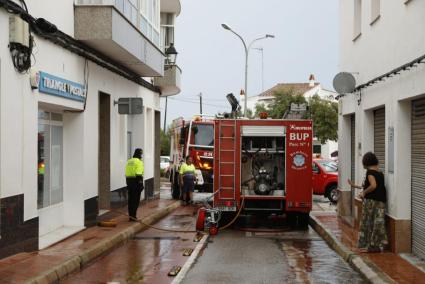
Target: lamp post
[{"x": 247, "y": 48}]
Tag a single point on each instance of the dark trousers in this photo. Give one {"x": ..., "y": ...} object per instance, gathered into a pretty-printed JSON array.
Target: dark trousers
[{"x": 135, "y": 189}]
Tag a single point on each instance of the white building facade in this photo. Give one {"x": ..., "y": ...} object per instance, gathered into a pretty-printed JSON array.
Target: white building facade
[
  {"x": 382, "y": 43},
  {"x": 63, "y": 144}
]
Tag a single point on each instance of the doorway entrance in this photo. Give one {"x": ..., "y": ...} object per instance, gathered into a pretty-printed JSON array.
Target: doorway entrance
[{"x": 104, "y": 159}]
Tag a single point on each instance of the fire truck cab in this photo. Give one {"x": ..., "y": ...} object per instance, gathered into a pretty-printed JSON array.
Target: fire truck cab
[
  {"x": 264, "y": 165},
  {"x": 193, "y": 137}
]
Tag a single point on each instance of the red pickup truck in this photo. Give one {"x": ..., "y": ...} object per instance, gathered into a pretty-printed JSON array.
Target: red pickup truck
[{"x": 325, "y": 179}]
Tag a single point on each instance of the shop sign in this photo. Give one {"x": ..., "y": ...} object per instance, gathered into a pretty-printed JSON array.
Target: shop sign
[{"x": 56, "y": 86}]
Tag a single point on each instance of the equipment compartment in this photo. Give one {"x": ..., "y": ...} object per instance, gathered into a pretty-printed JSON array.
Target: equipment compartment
[{"x": 263, "y": 166}]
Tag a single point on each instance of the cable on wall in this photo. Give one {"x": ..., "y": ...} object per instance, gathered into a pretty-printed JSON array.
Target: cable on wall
[{"x": 48, "y": 31}]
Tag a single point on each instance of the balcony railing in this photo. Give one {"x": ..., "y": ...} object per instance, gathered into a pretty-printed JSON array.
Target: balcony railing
[
  {"x": 170, "y": 83},
  {"x": 129, "y": 9}
]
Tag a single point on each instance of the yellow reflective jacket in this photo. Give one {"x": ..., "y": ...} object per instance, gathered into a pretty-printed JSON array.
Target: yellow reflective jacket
[
  {"x": 134, "y": 167},
  {"x": 186, "y": 169}
]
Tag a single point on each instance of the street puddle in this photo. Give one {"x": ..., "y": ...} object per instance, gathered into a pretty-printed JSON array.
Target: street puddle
[{"x": 314, "y": 262}]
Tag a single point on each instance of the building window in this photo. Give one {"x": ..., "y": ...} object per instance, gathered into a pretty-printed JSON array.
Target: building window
[
  {"x": 317, "y": 149},
  {"x": 167, "y": 30},
  {"x": 357, "y": 19},
  {"x": 50, "y": 159},
  {"x": 375, "y": 11},
  {"x": 150, "y": 18}
]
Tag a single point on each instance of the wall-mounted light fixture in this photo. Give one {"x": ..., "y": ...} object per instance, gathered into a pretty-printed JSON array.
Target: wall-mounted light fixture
[{"x": 171, "y": 54}]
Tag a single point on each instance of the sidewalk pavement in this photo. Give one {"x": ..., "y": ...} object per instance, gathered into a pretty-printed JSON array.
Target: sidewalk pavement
[
  {"x": 55, "y": 262},
  {"x": 384, "y": 267}
]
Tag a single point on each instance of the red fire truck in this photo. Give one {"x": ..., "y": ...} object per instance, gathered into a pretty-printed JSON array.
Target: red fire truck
[
  {"x": 193, "y": 137},
  {"x": 264, "y": 165}
]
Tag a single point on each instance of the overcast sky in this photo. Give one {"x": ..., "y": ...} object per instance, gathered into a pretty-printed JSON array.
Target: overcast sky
[{"x": 212, "y": 59}]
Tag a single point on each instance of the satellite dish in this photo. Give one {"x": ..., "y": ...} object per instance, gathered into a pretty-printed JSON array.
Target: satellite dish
[{"x": 344, "y": 83}]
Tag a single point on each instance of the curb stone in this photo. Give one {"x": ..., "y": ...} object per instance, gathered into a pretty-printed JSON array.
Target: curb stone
[
  {"x": 192, "y": 259},
  {"x": 76, "y": 263},
  {"x": 365, "y": 267}
]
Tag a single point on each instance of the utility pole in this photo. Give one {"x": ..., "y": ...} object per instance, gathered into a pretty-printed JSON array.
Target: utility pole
[
  {"x": 200, "y": 102},
  {"x": 165, "y": 114}
]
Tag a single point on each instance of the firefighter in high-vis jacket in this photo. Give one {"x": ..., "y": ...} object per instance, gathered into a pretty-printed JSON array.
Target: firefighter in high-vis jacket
[
  {"x": 134, "y": 171},
  {"x": 187, "y": 180}
]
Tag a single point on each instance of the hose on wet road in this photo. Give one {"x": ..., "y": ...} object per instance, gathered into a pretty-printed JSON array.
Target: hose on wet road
[
  {"x": 154, "y": 227},
  {"x": 181, "y": 230}
]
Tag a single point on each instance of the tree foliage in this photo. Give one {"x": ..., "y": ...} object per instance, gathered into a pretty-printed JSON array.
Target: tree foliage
[
  {"x": 324, "y": 113},
  {"x": 165, "y": 143}
]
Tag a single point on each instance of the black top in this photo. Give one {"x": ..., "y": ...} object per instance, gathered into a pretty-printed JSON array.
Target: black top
[{"x": 380, "y": 192}]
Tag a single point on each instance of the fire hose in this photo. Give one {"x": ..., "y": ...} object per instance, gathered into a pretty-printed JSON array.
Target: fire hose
[
  {"x": 181, "y": 230},
  {"x": 154, "y": 227}
]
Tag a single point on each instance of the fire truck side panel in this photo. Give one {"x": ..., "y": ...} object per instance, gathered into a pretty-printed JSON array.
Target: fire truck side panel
[
  {"x": 299, "y": 166},
  {"x": 294, "y": 190}
]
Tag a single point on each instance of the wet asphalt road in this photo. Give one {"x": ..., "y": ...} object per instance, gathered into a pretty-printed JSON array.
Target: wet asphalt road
[
  {"x": 269, "y": 254},
  {"x": 288, "y": 256},
  {"x": 147, "y": 258}
]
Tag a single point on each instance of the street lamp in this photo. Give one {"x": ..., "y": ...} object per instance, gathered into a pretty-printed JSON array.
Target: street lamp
[
  {"x": 171, "y": 54},
  {"x": 247, "y": 48}
]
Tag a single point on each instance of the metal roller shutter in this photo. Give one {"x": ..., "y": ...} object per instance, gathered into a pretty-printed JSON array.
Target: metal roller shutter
[
  {"x": 379, "y": 136},
  {"x": 418, "y": 178}
]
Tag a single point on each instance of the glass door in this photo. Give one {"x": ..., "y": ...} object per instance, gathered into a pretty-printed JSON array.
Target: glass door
[{"x": 50, "y": 159}]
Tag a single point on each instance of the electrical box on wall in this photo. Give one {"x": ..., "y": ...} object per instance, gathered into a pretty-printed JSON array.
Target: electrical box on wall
[
  {"x": 18, "y": 31},
  {"x": 390, "y": 161},
  {"x": 130, "y": 105}
]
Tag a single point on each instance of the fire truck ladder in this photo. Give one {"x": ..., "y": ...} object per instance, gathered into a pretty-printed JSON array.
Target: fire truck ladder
[{"x": 227, "y": 158}]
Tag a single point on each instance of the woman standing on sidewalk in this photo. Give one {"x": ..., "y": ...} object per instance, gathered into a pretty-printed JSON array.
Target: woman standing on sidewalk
[{"x": 372, "y": 235}]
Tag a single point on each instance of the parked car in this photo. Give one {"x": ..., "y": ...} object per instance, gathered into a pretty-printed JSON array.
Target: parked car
[
  {"x": 165, "y": 163},
  {"x": 325, "y": 179}
]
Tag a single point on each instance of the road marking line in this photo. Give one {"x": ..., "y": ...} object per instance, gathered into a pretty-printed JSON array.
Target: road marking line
[{"x": 185, "y": 268}]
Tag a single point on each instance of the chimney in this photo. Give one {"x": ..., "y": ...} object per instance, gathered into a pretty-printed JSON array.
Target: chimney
[{"x": 312, "y": 80}]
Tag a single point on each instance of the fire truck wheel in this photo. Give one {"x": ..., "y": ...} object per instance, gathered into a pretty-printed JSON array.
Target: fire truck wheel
[
  {"x": 303, "y": 219},
  {"x": 332, "y": 193},
  {"x": 175, "y": 192},
  {"x": 226, "y": 218},
  {"x": 297, "y": 220},
  {"x": 199, "y": 188},
  {"x": 175, "y": 188},
  {"x": 291, "y": 219}
]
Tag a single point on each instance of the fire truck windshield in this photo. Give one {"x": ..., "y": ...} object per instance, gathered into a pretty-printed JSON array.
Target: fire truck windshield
[{"x": 204, "y": 134}]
